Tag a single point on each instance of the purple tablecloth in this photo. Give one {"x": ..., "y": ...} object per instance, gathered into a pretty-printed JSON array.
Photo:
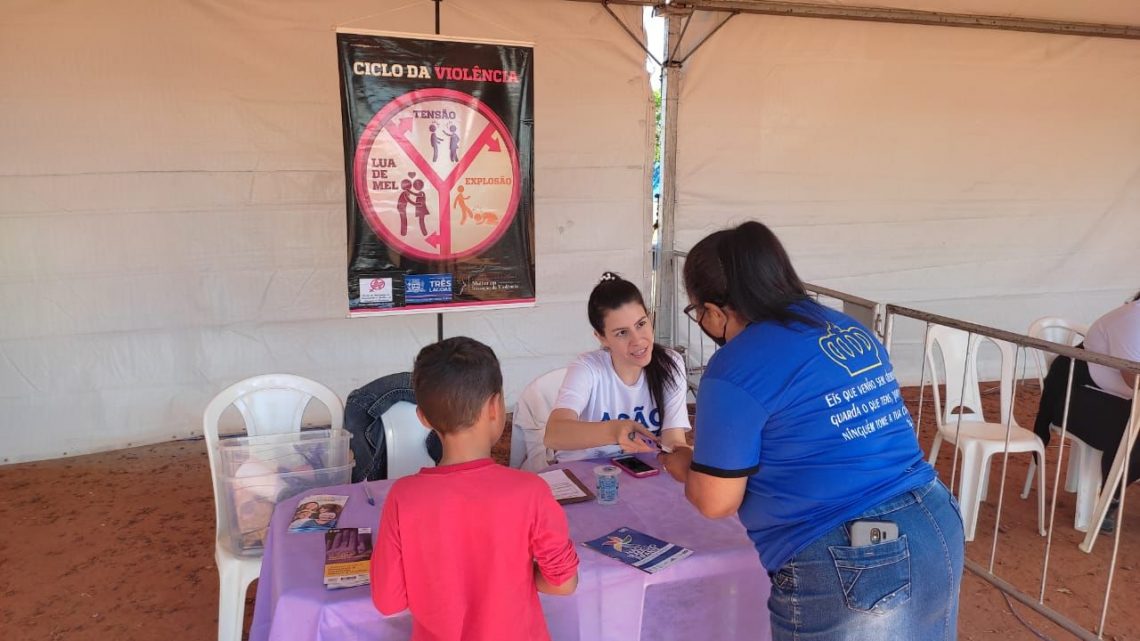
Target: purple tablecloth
[{"x": 720, "y": 592}]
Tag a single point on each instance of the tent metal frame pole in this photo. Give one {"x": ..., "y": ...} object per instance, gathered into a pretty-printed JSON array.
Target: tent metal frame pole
[
  {"x": 625, "y": 27},
  {"x": 666, "y": 291},
  {"x": 899, "y": 16},
  {"x": 439, "y": 316}
]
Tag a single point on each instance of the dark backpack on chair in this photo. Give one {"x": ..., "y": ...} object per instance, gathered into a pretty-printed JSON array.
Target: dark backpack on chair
[{"x": 363, "y": 412}]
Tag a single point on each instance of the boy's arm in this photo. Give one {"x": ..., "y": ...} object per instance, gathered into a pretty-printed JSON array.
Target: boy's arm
[
  {"x": 555, "y": 561},
  {"x": 386, "y": 571},
  {"x": 547, "y": 587}
]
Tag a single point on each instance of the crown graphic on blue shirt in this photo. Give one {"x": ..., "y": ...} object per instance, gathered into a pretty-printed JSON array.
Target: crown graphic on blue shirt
[{"x": 851, "y": 348}]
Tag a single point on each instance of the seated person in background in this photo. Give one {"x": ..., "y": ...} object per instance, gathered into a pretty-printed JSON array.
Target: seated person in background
[
  {"x": 1101, "y": 397},
  {"x": 625, "y": 396},
  {"x": 465, "y": 545}
]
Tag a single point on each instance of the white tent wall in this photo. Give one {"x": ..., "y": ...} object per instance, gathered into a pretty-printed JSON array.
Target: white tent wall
[
  {"x": 172, "y": 205},
  {"x": 992, "y": 176}
]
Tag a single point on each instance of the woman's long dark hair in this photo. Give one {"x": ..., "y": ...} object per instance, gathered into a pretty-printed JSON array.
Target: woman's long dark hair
[
  {"x": 611, "y": 293},
  {"x": 747, "y": 269}
]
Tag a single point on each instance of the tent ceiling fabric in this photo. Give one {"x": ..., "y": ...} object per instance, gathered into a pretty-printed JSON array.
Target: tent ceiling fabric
[
  {"x": 1099, "y": 11},
  {"x": 1104, "y": 12},
  {"x": 172, "y": 205},
  {"x": 991, "y": 176},
  {"x": 892, "y": 15}
]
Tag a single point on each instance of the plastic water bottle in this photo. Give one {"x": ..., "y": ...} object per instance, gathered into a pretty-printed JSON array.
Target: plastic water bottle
[{"x": 607, "y": 476}]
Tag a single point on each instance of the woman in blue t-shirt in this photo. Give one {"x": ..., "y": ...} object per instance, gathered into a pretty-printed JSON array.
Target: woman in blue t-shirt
[{"x": 802, "y": 432}]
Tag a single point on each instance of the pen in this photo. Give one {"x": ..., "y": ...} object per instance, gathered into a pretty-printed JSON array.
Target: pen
[
  {"x": 367, "y": 494},
  {"x": 633, "y": 436}
]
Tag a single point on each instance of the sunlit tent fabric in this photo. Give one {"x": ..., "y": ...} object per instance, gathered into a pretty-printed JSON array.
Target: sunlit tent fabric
[
  {"x": 172, "y": 214},
  {"x": 171, "y": 192},
  {"x": 992, "y": 176}
]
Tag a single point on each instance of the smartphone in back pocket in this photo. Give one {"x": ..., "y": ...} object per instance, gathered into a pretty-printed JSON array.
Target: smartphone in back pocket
[{"x": 872, "y": 532}]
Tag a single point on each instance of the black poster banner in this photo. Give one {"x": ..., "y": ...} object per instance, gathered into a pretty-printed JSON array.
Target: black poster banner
[{"x": 439, "y": 157}]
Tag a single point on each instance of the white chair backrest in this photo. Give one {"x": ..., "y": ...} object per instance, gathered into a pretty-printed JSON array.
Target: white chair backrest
[
  {"x": 528, "y": 425},
  {"x": 959, "y": 361},
  {"x": 405, "y": 439},
  {"x": 1057, "y": 330},
  {"x": 269, "y": 404},
  {"x": 1008, "y": 373},
  {"x": 959, "y": 352}
]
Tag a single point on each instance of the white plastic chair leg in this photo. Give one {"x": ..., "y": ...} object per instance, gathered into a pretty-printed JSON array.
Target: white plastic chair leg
[
  {"x": 984, "y": 489},
  {"x": 934, "y": 447},
  {"x": 969, "y": 496},
  {"x": 231, "y": 602},
  {"x": 1088, "y": 484},
  {"x": 1040, "y": 492},
  {"x": 1030, "y": 474},
  {"x": 1073, "y": 473}
]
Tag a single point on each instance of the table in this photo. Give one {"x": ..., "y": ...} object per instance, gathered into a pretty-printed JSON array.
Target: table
[{"x": 720, "y": 592}]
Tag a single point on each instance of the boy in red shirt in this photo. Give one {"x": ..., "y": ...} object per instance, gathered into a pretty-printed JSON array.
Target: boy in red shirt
[{"x": 465, "y": 545}]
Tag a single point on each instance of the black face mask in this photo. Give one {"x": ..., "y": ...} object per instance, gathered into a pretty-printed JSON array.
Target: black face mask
[{"x": 719, "y": 340}]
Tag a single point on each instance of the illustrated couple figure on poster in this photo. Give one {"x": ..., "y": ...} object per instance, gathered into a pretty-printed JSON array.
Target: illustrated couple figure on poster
[{"x": 412, "y": 193}]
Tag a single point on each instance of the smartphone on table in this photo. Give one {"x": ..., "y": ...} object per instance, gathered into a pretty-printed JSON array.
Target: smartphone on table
[{"x": 634, "y": 466}]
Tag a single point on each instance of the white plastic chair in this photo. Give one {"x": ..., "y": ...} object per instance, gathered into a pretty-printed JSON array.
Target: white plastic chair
[
  {"x": 405, "y": 439},
  {"x": 1083, "y": 473},
  {"x": 528, "y": 426},
  {"x": 1054, "y": 330},
  {"x": 977, "y": 440},
  {"x": 269, "y": 404}
]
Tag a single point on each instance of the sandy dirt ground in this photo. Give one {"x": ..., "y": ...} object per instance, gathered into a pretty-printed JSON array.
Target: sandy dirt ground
[{"x": 120, "y": 546}]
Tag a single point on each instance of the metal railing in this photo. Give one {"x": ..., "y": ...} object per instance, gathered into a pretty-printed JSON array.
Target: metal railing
[
  {"x": 861, "y": 309},
  {"x": 1117, "y": 477}
]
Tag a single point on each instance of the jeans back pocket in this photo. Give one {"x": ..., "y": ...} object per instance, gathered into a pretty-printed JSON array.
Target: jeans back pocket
[
  {"x": 875, "y": 578},
  {"x": 785, "y": 579}
]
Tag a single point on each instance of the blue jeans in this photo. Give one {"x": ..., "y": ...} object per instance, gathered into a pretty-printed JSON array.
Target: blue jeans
[{"x": 905, "y": 589}]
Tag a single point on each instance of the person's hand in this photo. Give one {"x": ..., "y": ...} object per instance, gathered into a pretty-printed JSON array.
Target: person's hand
[
  {"x": 633, "y": 437},
  {"x": 677, "y": 464}
]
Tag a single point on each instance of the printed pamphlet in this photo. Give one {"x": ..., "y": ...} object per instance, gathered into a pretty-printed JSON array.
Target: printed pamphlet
[
  {"x": 347, "y": 554},
  {"x": 642, "y": 551},
  {"x": 317, "y": 513}
]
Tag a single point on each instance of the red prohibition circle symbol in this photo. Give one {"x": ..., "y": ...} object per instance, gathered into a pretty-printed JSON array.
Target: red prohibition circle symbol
[{"x": 436, "y": 175}]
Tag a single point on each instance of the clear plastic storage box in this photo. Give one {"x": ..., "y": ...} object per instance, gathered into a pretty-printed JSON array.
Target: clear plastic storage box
[{"x": 259, "y": 471}]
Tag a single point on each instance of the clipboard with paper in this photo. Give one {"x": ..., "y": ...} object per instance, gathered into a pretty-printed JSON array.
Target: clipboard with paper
[{"x": 566, "y": 487}]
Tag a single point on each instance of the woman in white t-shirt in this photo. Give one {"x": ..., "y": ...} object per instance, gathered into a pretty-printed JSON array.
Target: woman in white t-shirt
[
  {"x": 627, "y": 395},
  {"x": 1100, "y": 403}
]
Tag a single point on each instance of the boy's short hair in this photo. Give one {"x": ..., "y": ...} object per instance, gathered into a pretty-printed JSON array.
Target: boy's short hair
[{"x": 453, "y": 379}]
